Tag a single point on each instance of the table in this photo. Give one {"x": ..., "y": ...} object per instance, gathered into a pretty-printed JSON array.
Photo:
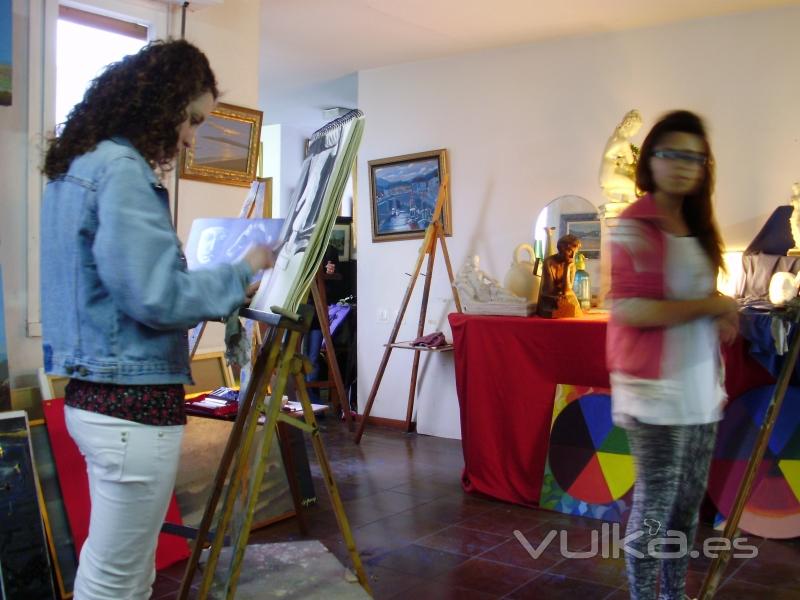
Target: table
[{"x": 507, "y": 369}]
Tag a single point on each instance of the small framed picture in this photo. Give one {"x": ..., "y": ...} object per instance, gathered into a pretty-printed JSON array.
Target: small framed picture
[
  {"x": 225, "y": 147},
  {"x": 403, "y": 194},
  {"x": 341, "y": 238},
  {"x": 586, "y": 227}
]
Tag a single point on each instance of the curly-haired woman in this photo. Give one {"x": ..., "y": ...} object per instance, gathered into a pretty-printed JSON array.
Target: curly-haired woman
[{"x": 117, "y": 299}]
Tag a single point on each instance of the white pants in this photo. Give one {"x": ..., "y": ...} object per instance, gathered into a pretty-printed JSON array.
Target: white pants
[{"x": 131, "y": 471}]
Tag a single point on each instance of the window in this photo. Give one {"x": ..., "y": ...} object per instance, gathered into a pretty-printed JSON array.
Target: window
[{"x": 85, "y": 43}]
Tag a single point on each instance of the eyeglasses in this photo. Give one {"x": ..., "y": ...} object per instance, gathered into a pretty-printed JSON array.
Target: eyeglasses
[{"x": 694, "y": 158}]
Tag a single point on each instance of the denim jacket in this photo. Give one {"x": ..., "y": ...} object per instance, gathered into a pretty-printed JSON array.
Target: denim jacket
[{"x": 117, "y": 298}]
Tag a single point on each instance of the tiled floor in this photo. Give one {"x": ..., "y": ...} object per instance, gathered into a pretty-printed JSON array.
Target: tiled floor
[{"x": 421, "y": 537}]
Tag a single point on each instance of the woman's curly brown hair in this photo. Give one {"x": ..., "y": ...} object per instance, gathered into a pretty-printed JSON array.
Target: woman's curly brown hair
[{"x": 142, "y": 98}]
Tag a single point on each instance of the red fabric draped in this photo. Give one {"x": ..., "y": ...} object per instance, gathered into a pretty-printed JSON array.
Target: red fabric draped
[{"x": 507, "y": 369}]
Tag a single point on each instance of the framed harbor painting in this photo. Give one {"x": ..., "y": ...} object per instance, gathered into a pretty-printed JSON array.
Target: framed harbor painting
[{"x": 403, "y": 192}]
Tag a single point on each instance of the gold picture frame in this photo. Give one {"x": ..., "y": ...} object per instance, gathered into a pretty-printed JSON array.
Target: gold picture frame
[
  {"x": 225, "y": 148},
  {"x": 403, "y": 193}
]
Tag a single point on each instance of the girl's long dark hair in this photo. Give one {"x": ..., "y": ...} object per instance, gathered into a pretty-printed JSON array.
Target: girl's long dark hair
[
  {"x": 143, "y": 98},
  {"x": 697, "y": 208}
]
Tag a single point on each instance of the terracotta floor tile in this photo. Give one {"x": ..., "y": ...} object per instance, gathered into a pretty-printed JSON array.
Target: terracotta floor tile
[
  {"x": 488, "y": 576},
  {"x": 551, "y": 586},
  {"x": 459, "y": 540},
  {"x": 420, "y": 561}
]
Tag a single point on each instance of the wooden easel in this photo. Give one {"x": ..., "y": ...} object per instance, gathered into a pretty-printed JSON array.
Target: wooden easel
[
  {"x": 277, "y": 361},
  {"x": 321, "y": 306},
  {"x": 731, "y": 531},
  {"x": 434, "y": 234}
]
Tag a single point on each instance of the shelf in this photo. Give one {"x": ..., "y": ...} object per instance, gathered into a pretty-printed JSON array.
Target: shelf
[{"x": 409, "y": 346}]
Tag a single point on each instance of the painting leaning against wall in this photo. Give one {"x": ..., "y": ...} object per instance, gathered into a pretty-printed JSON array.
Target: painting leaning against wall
[
  {"x": 6, "y": 50},
  {"x": 5, "y": 381},
  {"x": 23, "y": 547}
]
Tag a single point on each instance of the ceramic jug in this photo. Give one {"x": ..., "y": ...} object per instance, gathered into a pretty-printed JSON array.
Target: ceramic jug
[{"x": 520, "y": 279}]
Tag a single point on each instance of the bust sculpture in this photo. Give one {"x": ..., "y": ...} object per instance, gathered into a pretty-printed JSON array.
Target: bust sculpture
[
  {"x": 618, "y": 167},
  {"x": 556, "y": 297}
]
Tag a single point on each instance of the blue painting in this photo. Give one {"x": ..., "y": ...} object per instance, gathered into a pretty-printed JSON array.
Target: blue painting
[
  {"x": 217, "y": 241},
  {"x": 404, "y": 191},
  {"x": 6, "y": 49}
]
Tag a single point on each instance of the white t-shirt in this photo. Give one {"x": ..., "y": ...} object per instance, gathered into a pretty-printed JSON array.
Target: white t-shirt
[{"x": 691, "y": 390}]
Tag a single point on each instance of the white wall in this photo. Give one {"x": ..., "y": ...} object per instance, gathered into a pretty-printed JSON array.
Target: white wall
[
  {"x": 298, "y": 111},
  {"x": 526, "y": 124}
]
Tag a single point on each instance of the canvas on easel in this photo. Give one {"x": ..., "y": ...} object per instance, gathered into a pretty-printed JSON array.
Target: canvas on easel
[
  {"x": 213, "y": 241},
  {"x": 312, "y": 214}
]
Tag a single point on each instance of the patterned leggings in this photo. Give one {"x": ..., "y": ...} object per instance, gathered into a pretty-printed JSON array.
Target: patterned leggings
[{"x": 672, "y": 464}]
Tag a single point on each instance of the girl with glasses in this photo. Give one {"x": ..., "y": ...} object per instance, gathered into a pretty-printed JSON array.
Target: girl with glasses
[{"x": 663, "y": 348}]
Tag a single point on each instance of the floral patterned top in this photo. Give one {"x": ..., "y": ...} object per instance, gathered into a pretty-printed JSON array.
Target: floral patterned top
[{"x": 146, "y": 404}]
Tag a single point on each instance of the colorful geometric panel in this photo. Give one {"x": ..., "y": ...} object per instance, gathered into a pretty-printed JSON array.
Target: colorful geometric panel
[
  {"x": 773, "y": 510},
  {"x": 589, "y": 469}
]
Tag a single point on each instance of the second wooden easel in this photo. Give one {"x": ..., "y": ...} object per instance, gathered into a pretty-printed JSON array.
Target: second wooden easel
[
  {"x": 434, "y": 234},
  {"x": 717, "y": 567}
]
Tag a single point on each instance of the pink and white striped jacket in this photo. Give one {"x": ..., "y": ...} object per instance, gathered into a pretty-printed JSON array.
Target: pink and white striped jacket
[{"x": 638, "y": 253}]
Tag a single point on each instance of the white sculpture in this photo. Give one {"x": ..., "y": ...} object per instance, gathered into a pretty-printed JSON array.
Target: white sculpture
[
  {"x": 794, "y": 220},
  {"x": 474, "y": 285},
  {"x": 618, "y": 168},
  {"x": 783, "y": 287}
]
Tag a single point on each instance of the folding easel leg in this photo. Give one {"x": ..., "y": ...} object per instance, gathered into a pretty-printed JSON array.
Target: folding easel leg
[
  {"x": 265, "y": 363},
  {"x": 318, "y": 292},
  {"x": 392, "y": 339},
  {"x": 717, "y": 567},
  {"x": 423, "y": 313},
  {"x": 256, "y": 479},
  {"x": 330, "y": 483},
  {"x": 242, "y": 458},
  {"x": 446, "y": 256}
]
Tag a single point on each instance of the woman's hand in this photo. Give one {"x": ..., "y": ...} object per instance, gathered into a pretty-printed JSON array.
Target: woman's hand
[
  {"x": 724, "y": 306},
  {"x": 260, "y": 258},
  {"x": 250, "y": 292},
  {"x": 727, "y": 327}
]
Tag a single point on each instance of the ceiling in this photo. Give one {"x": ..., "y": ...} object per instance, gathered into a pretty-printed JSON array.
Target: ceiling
[{"x": 311, "y": 41}]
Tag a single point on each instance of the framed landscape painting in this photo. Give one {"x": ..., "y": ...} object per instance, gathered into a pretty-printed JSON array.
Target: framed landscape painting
[
  {"x": 586, "y": 227},
  {"x": 403, "y": 192},
  {"x": 226, "y": 147}
]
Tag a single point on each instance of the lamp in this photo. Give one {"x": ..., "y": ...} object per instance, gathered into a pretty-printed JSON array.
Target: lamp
[{"x": 728, "y": 281}]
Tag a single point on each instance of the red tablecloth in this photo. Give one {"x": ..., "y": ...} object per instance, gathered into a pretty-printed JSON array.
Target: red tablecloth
[{"x": 507, "y": 369}]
